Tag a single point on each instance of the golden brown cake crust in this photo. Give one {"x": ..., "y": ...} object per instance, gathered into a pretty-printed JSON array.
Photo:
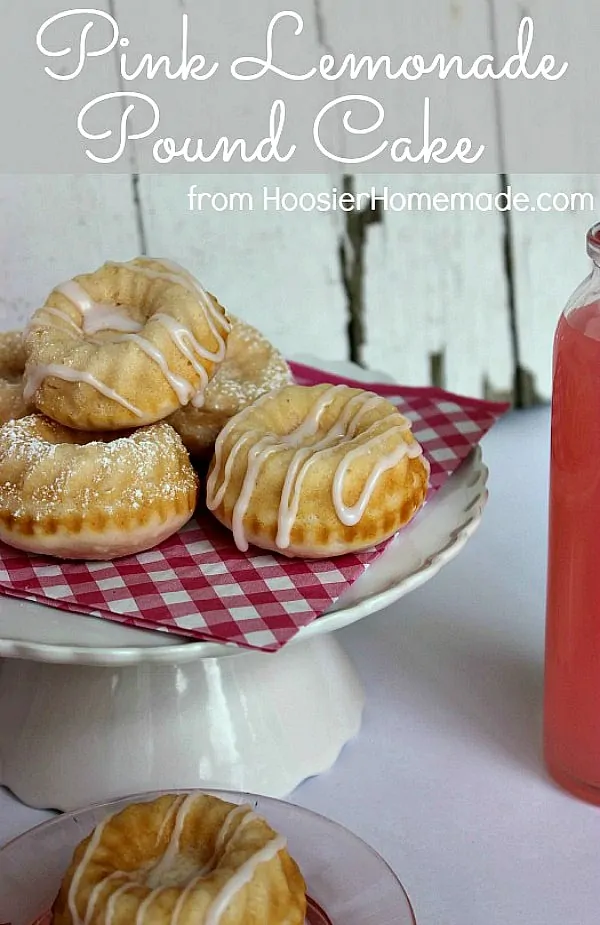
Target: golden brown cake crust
[
  {"x": 12, "y": 367},
  {"x": 182, "y": 860},
  {"x": 316, "y": 471},
  {"x": 69, "y": 494},
  {"x": 252, "y": 367},
  {"x": 124, "y": 346}
]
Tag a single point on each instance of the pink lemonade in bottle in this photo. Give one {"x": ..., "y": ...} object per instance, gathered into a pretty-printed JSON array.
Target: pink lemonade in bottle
[{"x": 572, "y": 673}]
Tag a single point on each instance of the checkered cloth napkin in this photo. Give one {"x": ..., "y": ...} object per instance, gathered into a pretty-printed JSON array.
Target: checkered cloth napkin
[{"x": 198, "y": 585}]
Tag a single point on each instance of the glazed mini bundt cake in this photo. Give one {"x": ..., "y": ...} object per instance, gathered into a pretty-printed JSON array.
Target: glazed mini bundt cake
[
  {"x": 316, "y": 471},
  {"x": 124, "y": 346},
  {"x": 182, "y": 860}
]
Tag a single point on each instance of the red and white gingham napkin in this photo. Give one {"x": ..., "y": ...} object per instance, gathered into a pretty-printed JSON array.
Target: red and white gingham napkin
[{"x": 198, "y": 585}]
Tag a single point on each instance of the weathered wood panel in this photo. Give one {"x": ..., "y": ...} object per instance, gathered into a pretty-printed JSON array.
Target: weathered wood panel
[
  {"x": 547, "y": 247},
  {"x": 435, "y": 292},
  {"x": 434, "y": 297},
  {"x": 223, "y": 32},
  {"x": 569, "y": 32},
  {"x": 54, "y": 227},
  {"x": 548, "y": 262},
  {"x": 278, "y": 270},
  {"x": 395, "y": 30},
  {"x": 426, "y": 293}
]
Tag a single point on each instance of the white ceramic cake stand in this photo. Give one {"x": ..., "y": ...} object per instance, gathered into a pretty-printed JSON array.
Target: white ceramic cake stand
[{"x": 92, "y": 710}]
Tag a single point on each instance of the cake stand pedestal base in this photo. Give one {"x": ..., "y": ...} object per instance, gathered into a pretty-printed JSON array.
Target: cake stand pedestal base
[{"x": 71, "y": 735}]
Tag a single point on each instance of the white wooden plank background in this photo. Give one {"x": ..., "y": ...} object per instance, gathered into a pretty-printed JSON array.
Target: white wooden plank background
[
  {"x": 436, "y": 285},
  {"x": 54, "y": 227},
  {"x": 569, "y": 31},
  {"x": 57, "y": 225},
  {"x": 278, "y": 270},
  {"x": 549, "y": 262},
  {"x": 433, "y": 283},
  {"x": 548, "y": 249},
  {"x": 398, "y": 29}
]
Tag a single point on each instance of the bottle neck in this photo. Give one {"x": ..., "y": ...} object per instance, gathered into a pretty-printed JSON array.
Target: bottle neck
[{"x": 593, "y": 245}]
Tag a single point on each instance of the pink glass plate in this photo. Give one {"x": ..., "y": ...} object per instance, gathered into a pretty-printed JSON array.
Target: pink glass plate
[{"x": 348, "y": 882}]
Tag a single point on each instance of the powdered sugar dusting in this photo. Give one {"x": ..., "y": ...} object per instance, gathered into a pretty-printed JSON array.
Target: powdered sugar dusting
[
  {"x": 252, "y": 367},
  {"x": 46, "y": 469}
]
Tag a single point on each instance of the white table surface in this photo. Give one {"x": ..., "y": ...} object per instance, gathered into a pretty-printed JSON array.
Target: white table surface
[{"x": 446, "y": 778}]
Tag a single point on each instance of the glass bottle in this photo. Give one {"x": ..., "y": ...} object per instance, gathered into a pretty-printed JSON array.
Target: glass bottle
[{"x": 572, "y": 669}]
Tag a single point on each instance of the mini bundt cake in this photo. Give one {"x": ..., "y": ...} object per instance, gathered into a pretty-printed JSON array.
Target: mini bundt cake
[
  {"x": 182, "y": 860},
  {"x": 124, "y": 346},
  {"x": 316, "y": 471},
  {"x": 63, "y": 493}
]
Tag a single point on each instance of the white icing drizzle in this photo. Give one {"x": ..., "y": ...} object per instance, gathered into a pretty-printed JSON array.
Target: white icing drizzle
[
  {"x": 240, "y": 878},
  {"x": 256, "y": 458},
  {"x": 247, "y": 816},
  {"x": 191, "y": 350},
  {"x": 214, "y": 493},
  {"x": 343, "y": 428},
  {"x": 35, "y": 375},
  {"x": 182, "y": 388},
  {"x": 350, "y": 516},
  {"x": 221, "y": 836},
  {"x": 196, "y": 286},
  {"x": 346, "y": 425},
  {"x": 145, "y": 905},
  {"x": 95, "y": 894},
  {"x": 56, "y": 313},
  {"x": 96, "y": 316},
  {"x": 182, "y": 278},
  {"x": 173, "y": 809},
  {"x": 166, "y": 861},
  {"x": 81, "y": 867},
  {"x": 180, "y": 806},
  {"x": 179, "y": 333},
  {"x": 111, "y": 905}
]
